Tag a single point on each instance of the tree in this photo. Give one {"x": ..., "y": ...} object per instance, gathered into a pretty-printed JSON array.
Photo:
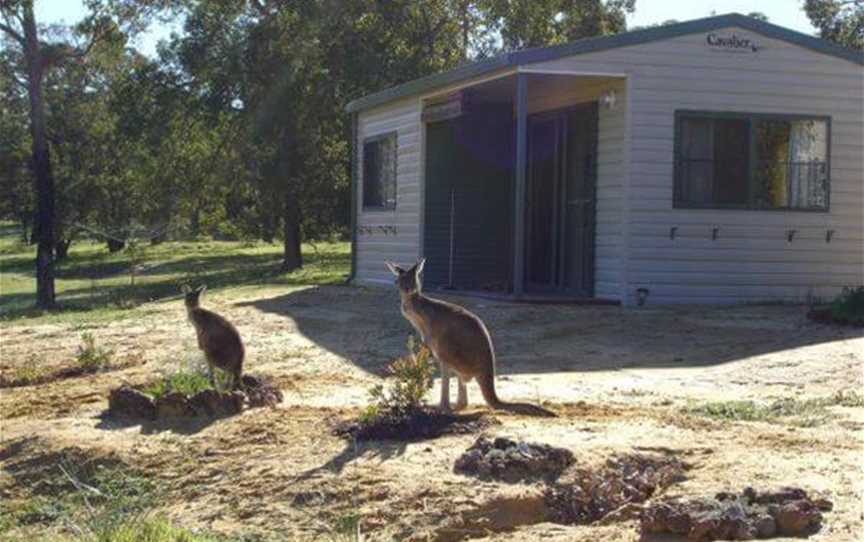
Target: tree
[
  {"x": 105, "y": 22},
  {"x": 840, "y": 21}
]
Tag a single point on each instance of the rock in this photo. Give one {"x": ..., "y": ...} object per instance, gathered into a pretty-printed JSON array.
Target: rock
[
  {"x": 729, "y": 516},
  {"x": 174, "y": 405},
  {"x": 513, "y": 461},
  {"x": 214, "y": 404},
  {"x": 765, "y": 526},
  {"x": 127, "y": 402},
  {"x": 665, "y": 518},
  {"x": 260, "y": 392},
  {"x": 797, "y": 518}
]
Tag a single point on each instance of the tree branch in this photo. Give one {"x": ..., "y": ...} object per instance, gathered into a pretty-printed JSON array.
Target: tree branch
[{"x": 12, "y": 33}]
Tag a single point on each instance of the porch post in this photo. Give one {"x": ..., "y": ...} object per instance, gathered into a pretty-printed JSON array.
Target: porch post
[{"x": 519, "y": 189}]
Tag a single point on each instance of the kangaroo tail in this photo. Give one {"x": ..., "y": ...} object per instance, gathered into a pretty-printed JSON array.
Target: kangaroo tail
[{"x": 487, "y": 388}]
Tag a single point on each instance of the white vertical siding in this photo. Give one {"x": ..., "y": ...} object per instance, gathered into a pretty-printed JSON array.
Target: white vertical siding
[
  {"x": 751, "y": 260},
  {"x": 373, "y": 249}
]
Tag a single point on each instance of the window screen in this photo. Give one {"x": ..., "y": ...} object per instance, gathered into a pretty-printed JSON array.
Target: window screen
[{"x": 379, "y": 172}]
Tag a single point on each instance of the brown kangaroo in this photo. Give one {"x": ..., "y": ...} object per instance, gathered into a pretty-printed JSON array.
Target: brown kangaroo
[
  {"x": 217, "y": 337},
  {"x": 459, "y": 341}
]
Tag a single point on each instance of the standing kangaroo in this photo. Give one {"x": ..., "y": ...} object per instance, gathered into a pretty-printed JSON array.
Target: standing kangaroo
[
  {"x": 217, "y": 337},
  {"x": 459, "y": 341}
]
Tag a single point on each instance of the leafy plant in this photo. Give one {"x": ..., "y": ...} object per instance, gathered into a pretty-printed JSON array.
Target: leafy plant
[
  {"x": 186, "y": 381},
  {"x": 92, "y": 357},
  {"x": 801, "y": 412},
  {"x": 412, "y": 378},
  {"x": 848, "y": 307}
]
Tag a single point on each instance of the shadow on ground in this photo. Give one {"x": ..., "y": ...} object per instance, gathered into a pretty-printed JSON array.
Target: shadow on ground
[
  {"x": 365, "y": 326},
  {"x": 180, "y": 426}
]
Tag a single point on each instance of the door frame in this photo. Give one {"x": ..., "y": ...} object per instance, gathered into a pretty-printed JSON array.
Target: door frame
[{"x": 560, "y": 244}]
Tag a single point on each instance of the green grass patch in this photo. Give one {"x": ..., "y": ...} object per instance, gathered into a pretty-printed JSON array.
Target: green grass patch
[
  {"x": 803, "y": 413},
  {"x": 95, "y": 285},
  {"x": 186, "y": 381}
]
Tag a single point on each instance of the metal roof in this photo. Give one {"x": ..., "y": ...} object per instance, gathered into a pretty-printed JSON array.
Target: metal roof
[{"x": 601, "y": 43}]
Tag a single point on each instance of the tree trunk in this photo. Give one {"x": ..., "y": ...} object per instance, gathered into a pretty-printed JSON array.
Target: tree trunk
[
  {"x": 115, "y": 245},
  {"x": 61, "y": 250},
  {"x": 292, "y": 258},
  {"x": 40, "y": 163}
]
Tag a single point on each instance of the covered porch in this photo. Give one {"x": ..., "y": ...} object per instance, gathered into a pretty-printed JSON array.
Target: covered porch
[{"x": 509, "y": 202}]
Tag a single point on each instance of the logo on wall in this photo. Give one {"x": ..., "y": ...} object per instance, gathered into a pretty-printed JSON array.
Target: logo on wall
[{"x": 731, "y": 43}]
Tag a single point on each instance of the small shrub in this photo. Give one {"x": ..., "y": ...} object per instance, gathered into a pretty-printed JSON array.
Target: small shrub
[
  {"x": 805, "y": 413},
  {"x": 186, "y": 381},
  {"x": 848, "y": 307},
  {"x": 92, "y": 357},
  {"x": 849, "y": 398},
  {"x": 412, "y": 379}
]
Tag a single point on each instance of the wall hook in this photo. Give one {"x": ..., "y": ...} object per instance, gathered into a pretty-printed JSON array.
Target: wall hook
[
  {"x": 790, "y": 234},
  {"x": 829, "y": 235},
  {"x": 672, "y": 231},
  {"x": 715, "y": 233}
]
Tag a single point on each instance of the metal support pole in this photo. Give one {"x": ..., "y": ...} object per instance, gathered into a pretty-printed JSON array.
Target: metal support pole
[
  {"x": 452, "y": 235},
  {"x": 519, "y": 192}
]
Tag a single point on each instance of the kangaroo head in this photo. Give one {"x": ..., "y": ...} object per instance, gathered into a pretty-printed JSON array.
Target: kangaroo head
[
  {"x": 193, "y": 296},
  {"x": 408, "y": 282}
]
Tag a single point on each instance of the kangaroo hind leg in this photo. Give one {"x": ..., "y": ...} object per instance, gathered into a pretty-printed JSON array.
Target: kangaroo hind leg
[
  {"x": 462, "y": 398},
  {"x": 445, "y": 387}
]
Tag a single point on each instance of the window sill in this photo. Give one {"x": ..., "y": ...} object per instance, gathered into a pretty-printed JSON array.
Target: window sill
[{"x": 696, "y": 207}]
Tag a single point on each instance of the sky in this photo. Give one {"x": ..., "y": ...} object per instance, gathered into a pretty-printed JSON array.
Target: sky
[{"x": 786, "y": 13}]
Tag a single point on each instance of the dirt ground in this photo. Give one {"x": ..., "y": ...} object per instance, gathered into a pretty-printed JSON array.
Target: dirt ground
[{"x": 619, "y": 379}]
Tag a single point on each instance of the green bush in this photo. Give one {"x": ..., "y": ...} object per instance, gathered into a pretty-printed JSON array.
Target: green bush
[
  {"x": 848, "y": 307},
  {"x": 412, "y": 378},
  {"x": 186, "y": 381},
  {"x": 92, "y": 357}
]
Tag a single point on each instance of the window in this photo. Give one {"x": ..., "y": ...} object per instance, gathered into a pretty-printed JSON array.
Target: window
[
  {"x": 744, "y": 161},
  {"x": 379, "y": 172}
]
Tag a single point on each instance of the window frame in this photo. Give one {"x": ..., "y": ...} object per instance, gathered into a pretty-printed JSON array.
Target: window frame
[
  {"x": 385, "y": 207},
  {"x": 681, "y": 114}
]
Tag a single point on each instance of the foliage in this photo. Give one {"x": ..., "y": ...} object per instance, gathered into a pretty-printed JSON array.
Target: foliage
[
  {"x": 841, "y": 21},
  {"x": 848, "y": 308},
  {"x": 237, "y": 131},
  {"x": 187, "y": 381},
  {"x": 801, "y": 412},
  {"x": 92, "y": 357},
  {"x": 412, "y": 378}
]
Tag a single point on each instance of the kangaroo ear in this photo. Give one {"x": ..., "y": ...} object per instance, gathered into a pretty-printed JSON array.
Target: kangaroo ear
[
  {"x": 419, "y": 267},
  {"x": 395, "y": 269}
]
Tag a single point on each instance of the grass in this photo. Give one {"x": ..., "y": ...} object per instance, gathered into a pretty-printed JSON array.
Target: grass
[
  {"x": 85, "y": 502},
  {"x": 186, "y": 381},
  {"x": 92, "y": 281},
  {"x": 803, "y": 413},
  {"x": 92, "y": 357}
]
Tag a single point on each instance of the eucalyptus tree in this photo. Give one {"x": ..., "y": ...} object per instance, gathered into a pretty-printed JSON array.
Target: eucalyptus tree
[
  {"x": 106, "y": 22},
  {"x": 841, "y": 21}
]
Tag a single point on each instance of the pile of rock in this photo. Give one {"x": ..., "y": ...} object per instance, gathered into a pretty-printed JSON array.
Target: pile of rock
[
  {"x": 746, "y": 516},
  {"x": 129, "y": 402},
  {"x": 513, "y": 461}
]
